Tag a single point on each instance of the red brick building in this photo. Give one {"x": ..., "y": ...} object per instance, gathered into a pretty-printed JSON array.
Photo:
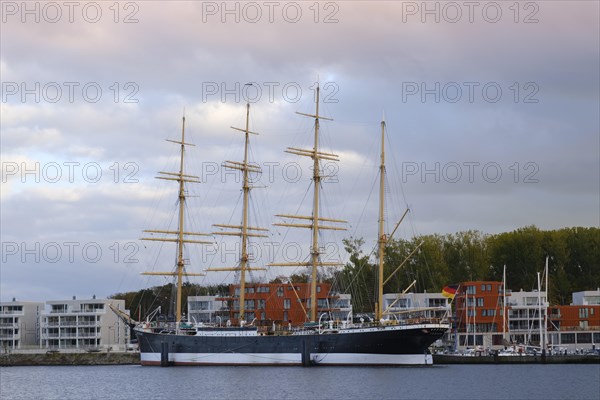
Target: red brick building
[
  {"x": 478, "y": 310},
  {"x": 283, "y": 303},
  {"x": 574, "y": 317}
]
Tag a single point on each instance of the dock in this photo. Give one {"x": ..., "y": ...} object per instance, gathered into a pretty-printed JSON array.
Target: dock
[{"x": 523, "y": 359}]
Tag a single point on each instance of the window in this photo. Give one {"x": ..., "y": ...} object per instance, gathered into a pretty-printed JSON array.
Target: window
[
  {"x": 583, "y": 313},
  {"x": 489, "y": 288},
  {"x": 471, "y": 312},
  {"x": 568, "y": 338},
  {"x": 470, "y": 289},
  {"x": 91, "y": 307},
  {"x": 280, "y": 291},
  {"x": 58, "y": 308},
  {"x": 403, "y": 303},
  {"x": 436, "y": 302},
  {"x": 199, "y": 305},
  {"x": 318, "y": 289},
  {"x": 484, "y": 313},
  {"x": 285, "y": 316},
  {"x": 483, "y": 288},
  {"x": 286, "y": 304},
  {"x": 480, "y": 302},
  {"x": 261, "y": 304}
]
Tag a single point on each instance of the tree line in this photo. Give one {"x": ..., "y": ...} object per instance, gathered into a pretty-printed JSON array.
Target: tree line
[
  {"x": 434, "y": 261},
  {"x": 574, "y": 262}
]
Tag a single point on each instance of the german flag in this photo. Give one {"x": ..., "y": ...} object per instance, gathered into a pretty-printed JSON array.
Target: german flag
[{"x": 449, "y": 291}]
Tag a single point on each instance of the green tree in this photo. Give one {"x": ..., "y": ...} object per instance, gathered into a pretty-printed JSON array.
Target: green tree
[{"x": 357, "y": 277}]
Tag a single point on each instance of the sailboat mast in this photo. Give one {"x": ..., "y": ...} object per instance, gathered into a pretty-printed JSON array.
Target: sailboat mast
[
  {"x": 246, "y": 190},
  {"x": 382, "y": 238},
  {"x": 180, "y": 262},
  {"x": 504, "y": 303},
  {"x": 546, "y": 303},
  {"x": 315, "y": 219},
  {"x": 540, "y": 310}
]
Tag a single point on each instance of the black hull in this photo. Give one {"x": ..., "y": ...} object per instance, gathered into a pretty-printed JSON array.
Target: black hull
[{"x": 391, "y": 345}]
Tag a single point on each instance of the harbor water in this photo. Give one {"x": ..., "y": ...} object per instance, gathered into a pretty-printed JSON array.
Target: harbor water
[{"x": 438, "y": 382}]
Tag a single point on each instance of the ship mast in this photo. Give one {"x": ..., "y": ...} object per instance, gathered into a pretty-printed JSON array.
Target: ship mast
[
  {"x": 382, "y": 238},
  {"x": 242, "y": 230},
  {"x": 180, "y": 233},
  {"x": 315, "y": 219}
]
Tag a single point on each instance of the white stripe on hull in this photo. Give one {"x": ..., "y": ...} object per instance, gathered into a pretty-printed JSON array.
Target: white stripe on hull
[
  {"x": 288, "y": 359},
  {"x": 371, "y": 359},
  {"x": 225, "y": 358}
]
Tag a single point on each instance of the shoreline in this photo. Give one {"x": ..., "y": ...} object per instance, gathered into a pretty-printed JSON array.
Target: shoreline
[
  {"x": 71, "y": 358},
  {"x": 133, "y": 358}
]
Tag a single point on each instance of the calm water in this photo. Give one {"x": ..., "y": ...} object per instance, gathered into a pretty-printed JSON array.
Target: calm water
[{"x": 438, "y": 382}]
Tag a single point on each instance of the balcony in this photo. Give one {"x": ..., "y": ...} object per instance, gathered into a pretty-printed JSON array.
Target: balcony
[{"x": 9, "y": 337}]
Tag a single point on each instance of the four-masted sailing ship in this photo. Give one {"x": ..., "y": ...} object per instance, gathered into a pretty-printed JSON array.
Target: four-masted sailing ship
[{"x": 384, "y": 341}]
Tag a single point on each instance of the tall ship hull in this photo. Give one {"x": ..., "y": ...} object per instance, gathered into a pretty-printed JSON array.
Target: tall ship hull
[{"x": 380, "y": 345}]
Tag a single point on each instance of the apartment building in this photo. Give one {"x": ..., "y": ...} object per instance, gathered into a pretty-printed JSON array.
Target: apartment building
[
  {"x": 479, "y": 314},
  {"x": 576, "y": 326},
  {"x": 207, "y": 309},
  {"x": 87, "y": 324},
  {"x": 429, "y": 305},
  {"x": 19, "y": 324},
  {"x": 527, "y": 312},
  {"x": 284, "y": 303}
]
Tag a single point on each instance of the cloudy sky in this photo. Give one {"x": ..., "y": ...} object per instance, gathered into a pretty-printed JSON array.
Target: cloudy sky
[{"x": 492, "y": 113}]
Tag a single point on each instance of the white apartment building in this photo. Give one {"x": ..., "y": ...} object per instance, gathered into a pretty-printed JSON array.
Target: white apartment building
[
  {"x": 83, "y": 324},
  {"x": 206, "y": 309},
  {"x": 19, "y": 324},
  {"x": 525, "y": 311},
  {"x": 431, "y": 305},
  {"x": 586, "y": 298}
]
